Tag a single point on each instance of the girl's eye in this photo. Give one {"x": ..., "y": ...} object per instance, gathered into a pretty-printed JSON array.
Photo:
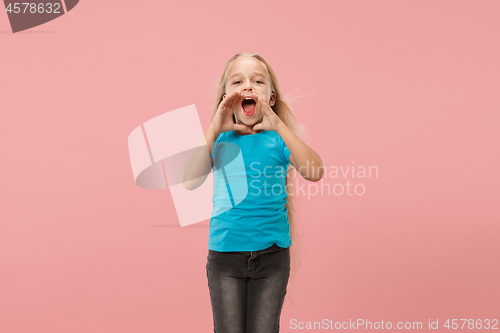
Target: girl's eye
[{"x": 258, "y": 81}]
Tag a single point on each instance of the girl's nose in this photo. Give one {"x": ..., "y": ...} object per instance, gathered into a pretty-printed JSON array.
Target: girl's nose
[{"x": 247, "y": 86}]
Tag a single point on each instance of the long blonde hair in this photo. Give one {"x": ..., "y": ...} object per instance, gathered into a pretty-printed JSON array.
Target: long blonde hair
[{"x": 283, "y": 110}]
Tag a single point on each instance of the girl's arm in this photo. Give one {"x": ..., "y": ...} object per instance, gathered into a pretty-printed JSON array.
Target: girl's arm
[
  {"x": 302, "y": 157},
  {"x": 199, "y": 164}
]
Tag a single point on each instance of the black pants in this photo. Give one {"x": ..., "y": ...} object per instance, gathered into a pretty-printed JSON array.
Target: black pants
[{"x": 247, "y": 289}]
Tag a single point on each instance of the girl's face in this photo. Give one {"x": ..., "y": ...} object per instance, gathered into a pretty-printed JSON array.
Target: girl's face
[{"x": 247, "y": 74}]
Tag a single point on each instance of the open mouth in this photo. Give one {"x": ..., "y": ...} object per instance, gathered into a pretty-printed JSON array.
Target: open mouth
[{"x": 248, "y": 104}]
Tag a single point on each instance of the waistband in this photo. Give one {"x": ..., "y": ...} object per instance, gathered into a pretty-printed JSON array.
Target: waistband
[{"x": 271, "y": 248}]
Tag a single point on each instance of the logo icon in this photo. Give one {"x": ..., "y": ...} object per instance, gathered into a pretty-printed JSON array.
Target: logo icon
[{"x": 167, "y": 142}]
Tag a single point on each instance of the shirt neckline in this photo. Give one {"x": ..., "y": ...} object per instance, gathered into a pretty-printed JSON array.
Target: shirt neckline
[{"x": 241, "y": 136}]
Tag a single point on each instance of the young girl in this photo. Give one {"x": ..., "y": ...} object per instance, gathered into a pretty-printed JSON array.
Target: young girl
[{"x": 248, "y": 263}]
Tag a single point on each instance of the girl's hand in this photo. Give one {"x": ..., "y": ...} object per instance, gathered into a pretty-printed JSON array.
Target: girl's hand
[
  {"x": 270, "y": 121},
  {"x": 223, "y": 119}
]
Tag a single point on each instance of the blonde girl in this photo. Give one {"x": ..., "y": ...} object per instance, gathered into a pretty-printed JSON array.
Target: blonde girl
[{"x": 248, "y": 263}]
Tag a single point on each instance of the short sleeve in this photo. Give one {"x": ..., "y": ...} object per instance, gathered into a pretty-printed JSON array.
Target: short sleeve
[
  {"x": 283, "y": 147},
  {"x": 216, "y": 143}
]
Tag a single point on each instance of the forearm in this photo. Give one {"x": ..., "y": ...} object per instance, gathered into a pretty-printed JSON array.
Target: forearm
[
  {"x": 198, "y": 165},
  {"x": 307, "y": 161}
]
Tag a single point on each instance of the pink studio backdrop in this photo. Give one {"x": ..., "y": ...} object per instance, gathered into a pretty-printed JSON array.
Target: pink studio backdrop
[{"x": 411, "y": 87}]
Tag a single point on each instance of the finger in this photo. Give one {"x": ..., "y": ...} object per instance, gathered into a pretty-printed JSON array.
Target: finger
[
  {"x": 240, "y": 127},
  {"x": 258, "y": 126},
  {"x": 259, "y": 94},
  {"x": 261, "y": 105},
  {"x": 235, "y": 99},
  {"x": 228, "y": 101},
  {"x": 229, "y": 98}
]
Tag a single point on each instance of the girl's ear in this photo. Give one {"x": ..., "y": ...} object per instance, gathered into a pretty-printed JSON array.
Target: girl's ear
[
  {"x": 272, "y": 100},
  {"x": 223, "y": 97}
]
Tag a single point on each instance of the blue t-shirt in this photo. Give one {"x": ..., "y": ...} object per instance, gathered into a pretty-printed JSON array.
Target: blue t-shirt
[{"x": 249, "y": 198}]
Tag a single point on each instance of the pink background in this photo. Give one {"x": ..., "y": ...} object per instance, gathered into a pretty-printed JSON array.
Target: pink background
[{"x": 409, "y": 86}]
